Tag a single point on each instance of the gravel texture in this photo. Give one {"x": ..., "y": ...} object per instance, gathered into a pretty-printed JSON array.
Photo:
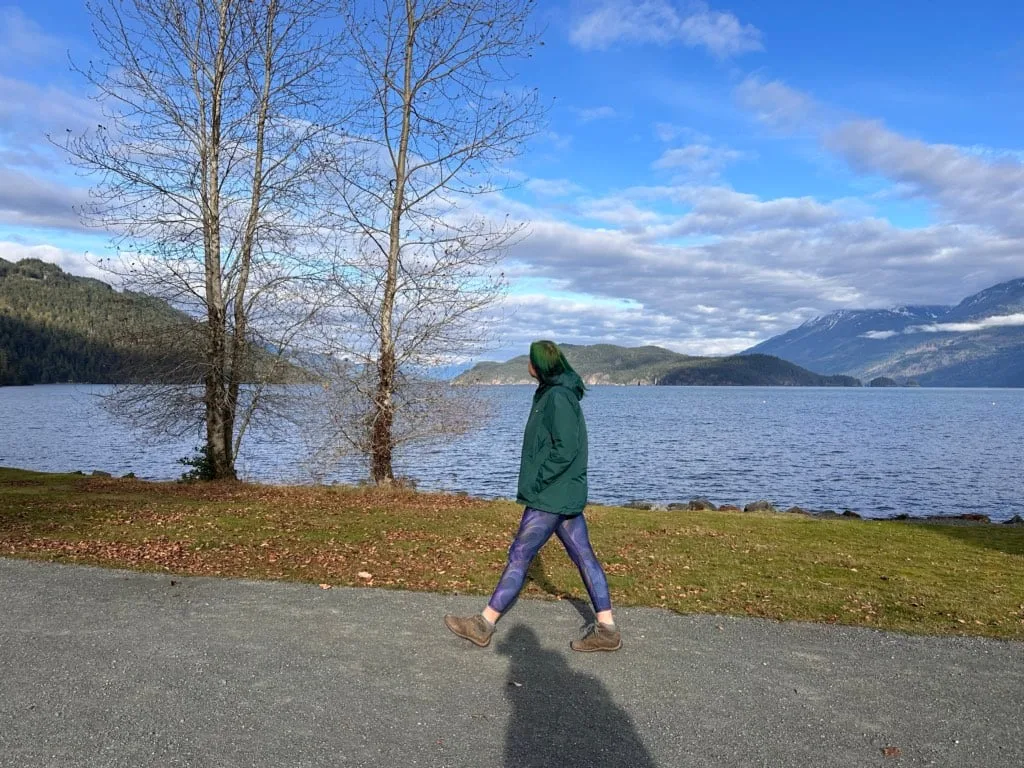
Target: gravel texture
[{"x": 111, "y": 668}]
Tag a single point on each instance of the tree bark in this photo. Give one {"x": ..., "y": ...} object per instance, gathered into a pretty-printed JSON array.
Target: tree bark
[
  {"x": 219, "y": 427},
  {"x": 381, "y": 442}
]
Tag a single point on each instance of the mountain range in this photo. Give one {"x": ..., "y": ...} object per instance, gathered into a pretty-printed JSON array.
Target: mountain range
[
  {"x": 57, "y": 327},
  {"x": 977, "y": 343}
]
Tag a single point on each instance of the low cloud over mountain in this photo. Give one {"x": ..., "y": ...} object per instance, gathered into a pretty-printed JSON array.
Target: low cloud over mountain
[{"x": 979, "y": 342}]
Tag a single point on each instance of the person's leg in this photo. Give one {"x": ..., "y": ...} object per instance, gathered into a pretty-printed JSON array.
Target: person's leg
[
  {"x": 534, "y": 530},
  {"x": 572, "y": 532},
  {"x": 604, "y": 636}
]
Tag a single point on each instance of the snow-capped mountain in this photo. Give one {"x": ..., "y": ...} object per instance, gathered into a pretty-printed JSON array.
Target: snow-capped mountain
[{"x": 979, "y": 342}]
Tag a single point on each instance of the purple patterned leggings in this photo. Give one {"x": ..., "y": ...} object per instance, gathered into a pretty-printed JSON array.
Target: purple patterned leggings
[{"x": 534, "y": 530}]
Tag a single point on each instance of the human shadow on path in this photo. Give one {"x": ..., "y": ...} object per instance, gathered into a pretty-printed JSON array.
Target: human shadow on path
[{"x": 561, "y": 717}]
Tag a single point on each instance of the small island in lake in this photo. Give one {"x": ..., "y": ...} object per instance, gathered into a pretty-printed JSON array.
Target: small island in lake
[{"x": 629, "y": 366}]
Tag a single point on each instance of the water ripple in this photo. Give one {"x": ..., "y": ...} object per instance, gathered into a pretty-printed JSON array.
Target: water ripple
[{"x": 878, "y": 452}]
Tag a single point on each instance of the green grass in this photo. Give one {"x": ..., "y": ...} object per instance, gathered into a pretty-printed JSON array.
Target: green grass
[{"x": 932, "y": 578}]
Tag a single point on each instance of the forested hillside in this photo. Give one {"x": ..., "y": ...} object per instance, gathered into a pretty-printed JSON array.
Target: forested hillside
[
  {"x": 750, "y": 370},
  {"x": 56, "y": 327}
]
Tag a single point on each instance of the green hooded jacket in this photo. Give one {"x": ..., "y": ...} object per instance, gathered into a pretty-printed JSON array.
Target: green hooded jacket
[{"x": 553, "y": 467}]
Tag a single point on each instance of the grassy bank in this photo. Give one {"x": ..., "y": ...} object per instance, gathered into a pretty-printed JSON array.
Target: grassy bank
[{"x": 915, "y": 577}]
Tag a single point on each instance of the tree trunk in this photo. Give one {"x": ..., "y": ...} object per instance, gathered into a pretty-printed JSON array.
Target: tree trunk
[
  {"x": 381, "y": 438},
  {"x": 219, "y": 413},
  {"x": 382, "y": 444}
]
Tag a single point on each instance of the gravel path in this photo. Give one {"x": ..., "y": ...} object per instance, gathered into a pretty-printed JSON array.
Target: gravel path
[{"x": 110, "y": 668}]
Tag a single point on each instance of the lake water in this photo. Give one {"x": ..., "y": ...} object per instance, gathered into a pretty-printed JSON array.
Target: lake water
[{"x": 880, "y": 452}]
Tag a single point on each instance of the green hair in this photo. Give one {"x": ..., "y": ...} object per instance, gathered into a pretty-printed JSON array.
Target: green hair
[{"x": 550, "y": 364}]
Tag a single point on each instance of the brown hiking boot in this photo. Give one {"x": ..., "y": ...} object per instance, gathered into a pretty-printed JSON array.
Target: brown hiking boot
[
  {"x": 472, "y": 628},
  {"x": 598, "y": 638}
]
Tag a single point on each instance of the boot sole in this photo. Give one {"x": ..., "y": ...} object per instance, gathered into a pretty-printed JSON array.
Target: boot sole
[
  {"x": 595, "y": 650},
  {"x": 473, "y": 640}
]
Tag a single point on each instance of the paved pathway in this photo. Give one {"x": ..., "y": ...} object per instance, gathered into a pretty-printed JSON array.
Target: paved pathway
[{"x": 107, "y": 668}]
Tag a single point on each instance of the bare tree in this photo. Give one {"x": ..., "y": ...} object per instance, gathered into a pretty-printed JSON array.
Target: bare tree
[
  {"x": 220, "y": 120},
  {"x": 420, "y": 261},
  {"x": 339, "y": 416}
]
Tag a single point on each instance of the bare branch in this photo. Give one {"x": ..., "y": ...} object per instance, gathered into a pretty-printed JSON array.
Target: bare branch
[
  {"x": 220, "y": 120},
  {"x": 417, "y": 263}
]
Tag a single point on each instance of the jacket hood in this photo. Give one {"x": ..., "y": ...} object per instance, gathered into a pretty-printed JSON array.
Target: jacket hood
[{"x": 570, "y": 381}]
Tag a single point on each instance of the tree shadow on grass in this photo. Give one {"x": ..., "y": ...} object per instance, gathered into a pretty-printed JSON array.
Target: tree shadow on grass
[
  {"x": 538, "y": 576},
  {"x": 1008, "y": 539},
  {"x": 561, "y": 718}
]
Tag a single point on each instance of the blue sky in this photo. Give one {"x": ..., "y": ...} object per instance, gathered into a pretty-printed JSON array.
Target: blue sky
[{"x": 710, "y": 174}]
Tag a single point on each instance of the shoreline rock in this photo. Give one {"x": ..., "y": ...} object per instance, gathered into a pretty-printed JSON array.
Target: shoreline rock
[
  {"x": 703, "y": 504},
  {"x": 639, "y": 504}
]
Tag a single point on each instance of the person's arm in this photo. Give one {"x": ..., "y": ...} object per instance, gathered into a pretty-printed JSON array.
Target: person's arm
[{"x": 563, "y": 427}]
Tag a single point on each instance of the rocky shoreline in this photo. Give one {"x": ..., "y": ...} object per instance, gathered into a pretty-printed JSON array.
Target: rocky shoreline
[{"x": 701, "y": 504}]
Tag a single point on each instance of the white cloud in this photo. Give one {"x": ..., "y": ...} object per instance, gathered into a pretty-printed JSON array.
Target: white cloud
[
  {"x": 967, "y": 187},
  {"x": 995, "y": 321},
  {"x": 30, "y": 112},
  {"x": 582, "y": 320},
  {"x": 618, "y": 210},
  {"x": 776, "y": 104},
  {"x": 28, "y": 200},
  {"x": 662, "y": 22},
  {"x": 595, "y": 113},
  {"x": 993, "y": 153},
  {"x": 697, "y": 159},
  {"x": 709, "y": 270},
  {"x": 552, "y": 187},
  {"x": 721, "y": 33},
  {"x": 560, "y": 141},
  {"x": 666, "y": 131},
  {"x": 720, "y": 210},
  {"x": 21, "y": 38},
  {"x": 74, "y": 262}
]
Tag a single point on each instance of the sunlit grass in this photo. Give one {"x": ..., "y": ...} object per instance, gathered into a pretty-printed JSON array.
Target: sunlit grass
[{"x": 930, "y": 578}]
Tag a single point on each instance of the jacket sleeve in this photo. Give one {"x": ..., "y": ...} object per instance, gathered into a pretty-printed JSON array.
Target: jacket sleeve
[{"x": 563, "y": 428}]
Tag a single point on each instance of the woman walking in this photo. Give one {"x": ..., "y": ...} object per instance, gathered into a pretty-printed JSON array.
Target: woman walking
[{"x": 553, "y": 487}]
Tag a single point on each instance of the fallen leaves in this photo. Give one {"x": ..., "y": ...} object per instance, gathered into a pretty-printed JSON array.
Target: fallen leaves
[{"x": 350, "y": 536}]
